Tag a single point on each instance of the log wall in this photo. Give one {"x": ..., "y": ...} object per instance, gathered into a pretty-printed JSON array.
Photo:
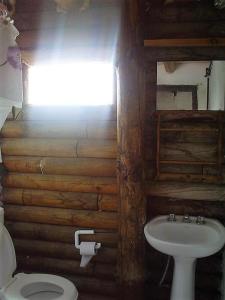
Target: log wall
[
  {"x": 182, "y": 19},
  {"x": 61, "y": 177},
  {"x": 189, "y": 179}
]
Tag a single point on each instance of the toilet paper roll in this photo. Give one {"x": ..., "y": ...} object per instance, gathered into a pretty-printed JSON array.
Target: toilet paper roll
[
  {"x": 88, "y": 248},
  {"x": 87, "y": 251}
]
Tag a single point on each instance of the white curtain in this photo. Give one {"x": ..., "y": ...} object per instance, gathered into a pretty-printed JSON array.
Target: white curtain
[{"x": 11, "y": 87}]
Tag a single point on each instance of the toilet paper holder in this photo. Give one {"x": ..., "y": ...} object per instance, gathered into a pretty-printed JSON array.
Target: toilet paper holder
[{"x": 77, "y": 238}]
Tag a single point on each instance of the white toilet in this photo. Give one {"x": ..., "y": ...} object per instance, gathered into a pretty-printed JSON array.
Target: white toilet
[{"x": 28, "y": 286}]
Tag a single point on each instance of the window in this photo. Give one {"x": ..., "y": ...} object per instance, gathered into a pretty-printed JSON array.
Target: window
[{"x": 80, "y": 83}]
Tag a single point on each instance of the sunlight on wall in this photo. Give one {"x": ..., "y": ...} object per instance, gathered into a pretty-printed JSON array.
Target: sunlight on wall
[{"x": 83, "y": 83}]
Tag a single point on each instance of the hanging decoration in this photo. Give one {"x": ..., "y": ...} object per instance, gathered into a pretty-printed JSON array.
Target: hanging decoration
[
  {"x": 63, "y": 6},
  {"x": 11, "y": 92}
]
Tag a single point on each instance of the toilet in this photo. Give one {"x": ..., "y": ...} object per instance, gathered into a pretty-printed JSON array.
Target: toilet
[{"x": 23, "y": 286}]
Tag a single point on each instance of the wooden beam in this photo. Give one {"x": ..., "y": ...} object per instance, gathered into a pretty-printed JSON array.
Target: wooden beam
[
  {"x": 154, "y": 54},
  {"x": 200, "y": 42},
  {"x": 130, "y": 157}
]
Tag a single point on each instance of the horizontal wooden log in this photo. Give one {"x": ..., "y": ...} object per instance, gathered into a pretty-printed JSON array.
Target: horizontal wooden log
[
  {"x": 186, "y": 54},
  {"x": 185, "y": 30},
  {"x": 61, "y": 166},
  {"x": 164, "y": 206},
  {"x": 187, "y": 115},
  {"x": 60, "y": 250},
  {"x": 94, "y": 285},
  {"x": 179, "y": 190},
  {"x": 58, "y": 233},
  {"x": 189, "y": 11},
  {"x": 85, "y": 296},
  {"x": 59, "y": 148},
  {"x": 59, "y": 129},
  {"x": 59, "y": 266},
  {"x": 209, "y": 265},
  {"x": 82, "y": 113},
  {"x": 107, "y": 202},
  {"x": 51, "y": 198},
  {"x": 180, "y": 168},
  {"x": 89, "y": 201},
  {"x": 163, "y": 292},
  {"x": 62, "y": 183},
  {"x": 181, "y": 177},
  {"x": 191, "y": 125},
  {"x": 202, "y": 281},
  {"x": 57, "y": 216},
  {"x": 188, "y": 152},
  {"x": 184, "y": 42},
  {"x": 96, "y": 149},
  {"x": 189, "y": 136}
]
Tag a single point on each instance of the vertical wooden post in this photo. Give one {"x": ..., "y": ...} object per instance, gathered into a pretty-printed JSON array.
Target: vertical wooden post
[{"x": 131, "y": 270}]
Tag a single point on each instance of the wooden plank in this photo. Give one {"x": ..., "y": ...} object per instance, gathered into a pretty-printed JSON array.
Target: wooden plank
[
  {"x": 62, "y": 183},
  {"x": 181, "y": 177},
  {"x": 61, "y": 166},
  {"x": 96, "y": 148},
  {"x": 59, "y": 129},
  {"x": 163, "y": 206},
  {"x": 181, "y": 190},
  {"x": 58, "y": 233},
  {"x": 153, "y": 54},
  {"x": 89, "y": 201},
  {"x": 85, "y": 296},
  {"x": 187, "y": 12},
  {"x": 60, "y": 250},
  {"x": 189, "y": 152},
  {"x": 185, "y": 115},
  {"x": 58, "y": 216},
  {"x": 183, "y": 30},
  {"x": 31, "y": 197},
  {"x": 93, "y": 285},
  {"x": 59, "y": 148},
  {"x": 197, "y": 42},
  {"x": 80, "y": 113},
  {"x": 59, "y": 266}
]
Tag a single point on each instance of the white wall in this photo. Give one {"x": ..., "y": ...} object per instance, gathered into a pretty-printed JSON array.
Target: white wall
[
  {"x": 217, "y": 86},
  {"x": 187, "y": 73}
]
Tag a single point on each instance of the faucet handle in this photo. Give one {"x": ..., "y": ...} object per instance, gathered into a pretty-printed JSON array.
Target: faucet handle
[
  {"x": 171, "y": 218},
  {"x": 186, "y": 219},
  {"x": 200, "y": 220}
]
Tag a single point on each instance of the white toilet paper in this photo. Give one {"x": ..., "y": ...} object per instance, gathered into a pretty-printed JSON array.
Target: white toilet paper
[{"x": 87, "y": 251}]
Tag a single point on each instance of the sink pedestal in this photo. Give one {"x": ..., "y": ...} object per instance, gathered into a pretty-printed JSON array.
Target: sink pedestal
[{"x": 183, "y": 286}]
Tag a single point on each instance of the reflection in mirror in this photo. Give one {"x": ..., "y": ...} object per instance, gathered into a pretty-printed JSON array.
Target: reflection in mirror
[{"x": 191, "y": 85}]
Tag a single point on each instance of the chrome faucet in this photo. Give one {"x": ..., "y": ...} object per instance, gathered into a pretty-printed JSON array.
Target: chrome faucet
[
  {"x": 186, "y": 219},
  {"x": 200, "y": 220},
  {"x": 171, "y": 218}
]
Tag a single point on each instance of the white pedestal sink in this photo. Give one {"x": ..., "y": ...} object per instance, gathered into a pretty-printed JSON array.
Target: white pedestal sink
[{"x": 185, "y": 240}]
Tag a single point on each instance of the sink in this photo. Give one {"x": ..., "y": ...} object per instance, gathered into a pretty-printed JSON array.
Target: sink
[{"x": 186, "y": 240}]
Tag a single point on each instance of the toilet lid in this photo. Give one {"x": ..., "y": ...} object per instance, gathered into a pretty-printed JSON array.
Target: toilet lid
[
  {"x": 7, "y": 256},
  {"x": 34, "y": 285}
]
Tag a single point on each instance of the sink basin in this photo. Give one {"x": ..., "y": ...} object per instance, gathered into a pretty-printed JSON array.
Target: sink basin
[{"x": 185, "y": 241}]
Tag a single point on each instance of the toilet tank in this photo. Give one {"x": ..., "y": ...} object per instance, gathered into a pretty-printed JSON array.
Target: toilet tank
[{"x": 7, "y": 253}]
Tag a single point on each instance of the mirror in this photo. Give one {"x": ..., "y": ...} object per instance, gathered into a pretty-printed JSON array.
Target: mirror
[{"x": 191, "y": 85}]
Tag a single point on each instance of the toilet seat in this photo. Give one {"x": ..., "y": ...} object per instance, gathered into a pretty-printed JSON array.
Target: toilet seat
[{"x": 16, "y": 289}]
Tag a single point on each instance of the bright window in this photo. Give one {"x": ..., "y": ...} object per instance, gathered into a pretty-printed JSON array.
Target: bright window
[{"x": 83, "y": 83}]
